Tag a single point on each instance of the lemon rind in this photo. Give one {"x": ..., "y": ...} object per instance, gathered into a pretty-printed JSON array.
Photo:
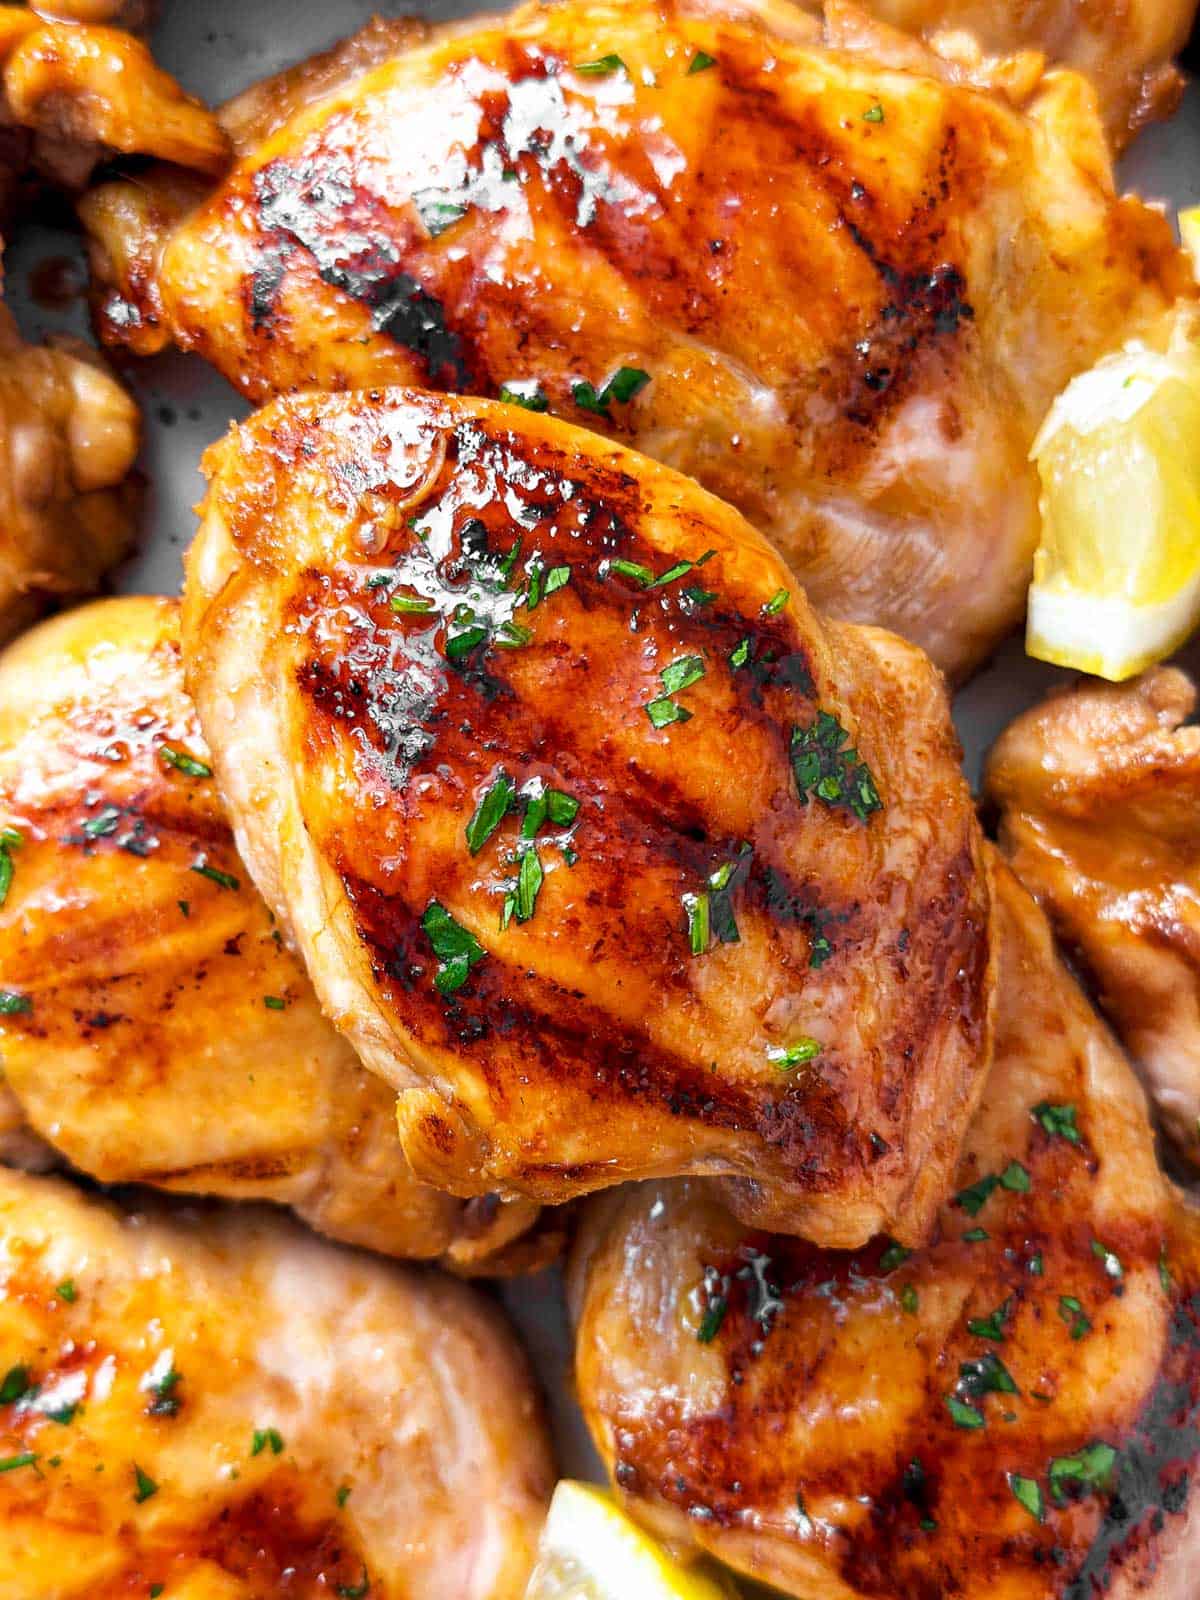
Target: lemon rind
[{"x": 1108, "y": 637}]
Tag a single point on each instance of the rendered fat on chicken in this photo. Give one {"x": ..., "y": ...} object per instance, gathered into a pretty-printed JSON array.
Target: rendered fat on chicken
[
  {"x": 219, "y": 1406},
  {"x": 801, "y": 260},
  {"x": 1099, "y": 797},
  {"x": 597, "y": 842},
  {"x": 1012, "y": 1412},
  {"x": 153, "y": 1026}
]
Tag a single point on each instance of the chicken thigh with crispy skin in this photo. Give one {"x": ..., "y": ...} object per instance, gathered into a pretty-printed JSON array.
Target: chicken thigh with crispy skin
[
  {"x": 801, "y": 260},
  {"x": 604, "y": 849},
  {"x": 220, "y": 1404},
  {"x": 1012, "y": 1412},
  {"x": 155, "y": 1029},
  {"x": 1099, "y": 797}
]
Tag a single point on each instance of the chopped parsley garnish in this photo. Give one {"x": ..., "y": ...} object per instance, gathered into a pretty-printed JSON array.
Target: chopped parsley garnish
[
  {"x": 663, "y": 712},
  {"x": 543, "y": 583},
  {"x": 10, "y": 839},
  {"x": 103, "y": 823},
  {"x": 873, "y": 113},
  {"x": 973, "y": 1199},
  {"x": 355, "y": 1591},
  {"x": 1027, "y": 1492},
  {"x": 620, "y": 389},
  {"x": 461, "y": 644},
  {"x": 1164, "y": 1272},
  {"x": 166, "y": 1402},
  {"x": 67, "y": 1291},
  {"x": 1034, "y": 1265},
  {"x": 777, "y": 602},
  {"x": 224, "y": 880},
  {"x": 146, "y": 1486},
  {"x": 1015, "y": 1178},
  {"x": 262, "y": 1437},
  {"x": 740, "y": 654},
  {"x": 710, "y": 1322},
  {"x": 602, "y": 67},
  {"x": 530, "y": 877},
  {"x": 695, "y": 596},
  {"x": 14, "y": 1004},
  {"x": 965, "y": 1416},
  {"x": 679, "y": 570},
  {"x": 27, "y": 1458},
  {"x": 631, "y": 569},
  {"x": 682, "y": 674},
  {"x": 438, "y": 210},
  {"x": 410, "y": 604},
  {"x": 497, "y": 802},
  {"x": 15, "y": 1385},
  {"x": 342, "y": 1495},
  {"x": 1112, "y": 1262},
  {"x": 986, "y": 1374},
  {"x": 908, "y": 1299},
  {"x": 700, "y": 62},
  {"x": 823, "y": 765},
  {"x": 698, "y": 924},
  {"x": 528, "y": 395},
  {"x": 894, "y": 1256},
  {"x": 787, "y": 1056},
  {"x": 512, "y": 635},
  {"x": 274, "y": 1002},
  {"x": 639, "y": 573},
  {"x": 1089, "y": 1468},
  {"x": 456, "y": 948},
  {"x": 1057, "y": 1121},
  {"x": 155, "y": 1590},
  {"x": 975, "y": 1235},
  {"x": 1075, "y": 1317},
  {"x": 992, "y": 1326},
  {"x": 182, "y": 762}
]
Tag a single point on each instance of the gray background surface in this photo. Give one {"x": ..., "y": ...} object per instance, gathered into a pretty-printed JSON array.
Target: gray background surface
[{"x": 215, "y": 48}]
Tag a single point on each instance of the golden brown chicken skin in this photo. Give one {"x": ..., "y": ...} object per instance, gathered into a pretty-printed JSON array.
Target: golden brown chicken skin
[
  {"x": 597, "y": 842},
  {"x": 1099, "y": 796},
  {"x": 1010, "y": 1414},
  {"x": 222, "y": 1407},
  {"x": 155, "y": 1028},
  {"x": 796, "y": 259}
]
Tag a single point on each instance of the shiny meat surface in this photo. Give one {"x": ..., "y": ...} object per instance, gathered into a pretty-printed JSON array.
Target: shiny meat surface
[
  {"x": 598, "y": 844},
  {"x": 1124, "y": 47},
  {"x": 155, "y": 1028},
  {"x": 1010, "y": 1414},
  {"x": 69, "y": 434},
  {"x": 798, "y": 259},
  {"x": 1099, "y": 797},
  {"x": 217, "y": 1405}
]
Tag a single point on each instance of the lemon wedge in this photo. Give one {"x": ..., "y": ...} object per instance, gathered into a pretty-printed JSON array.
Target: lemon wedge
[
  {"x": 1116, "y": 578},
  {"x": 590, "y": 1550}
]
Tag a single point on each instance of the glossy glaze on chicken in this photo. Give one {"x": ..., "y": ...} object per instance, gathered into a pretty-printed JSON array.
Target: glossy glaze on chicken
[
  {"x": 1099, "y": 797},
  {"x": 800, "y": 260},
  {"x": 598, "y": 843},
  {"x": 217, "y": 1404},
  {"x": 1011, "y": 1412},
  {"x": 153, "y": 1026}
]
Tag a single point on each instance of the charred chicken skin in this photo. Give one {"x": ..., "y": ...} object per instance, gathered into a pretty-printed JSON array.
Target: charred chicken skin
[
  {"x": 222, "y": 1405},
  {"x": 803, "y": 260},
  {"x": 1099, "y": 797},
  {"x": 1012, "y": 1411},
  {"x": 155, "y": 1028},
  {"x": 599, "y": 845}
]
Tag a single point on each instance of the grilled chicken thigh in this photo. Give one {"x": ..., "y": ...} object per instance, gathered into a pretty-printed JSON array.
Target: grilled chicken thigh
[
  {"x": 1099, "y": 796},
  {"x": 801, "y": 260},
  {"x": 1014, "y": 1411},
  {"x": 221, "y": 1405},
  {"x": 598, "y": 844},
  {"x": 155, "y": 1028}
]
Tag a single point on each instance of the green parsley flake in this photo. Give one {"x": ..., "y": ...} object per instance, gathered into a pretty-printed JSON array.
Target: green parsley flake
[
  {"x": 776, "y": 603},
  {"x": 682, "y": 674},
  {"x": 908, "y": 1299},
  {"x": 10, "y": 839},
  {"x": 1034, "y": 1265},
  {"x": 1112, "y": 1262},
  {"x": 1164, "y": 1272},
  {"x": 1016, "y": 1178},
  {"x": 1090, "y": 1468},
  {"x": 438, "y": 210},
  {"x": 262, "y": 1437},
  {"x": 894, "y": 1256},
  {"x": 823, "y": 767},
  {"x": 410, "y": 605},
  {"x": 103, "y": 823},
  {"x": 985, "y": 1374},
  {"x": 182, "y": 762},
  {"x": 710, "y": 1323},
  {"x": 274, "y": 1002},
  {"x": 355, "y": 1591},
  {"x": 224, "y": 880},
  {"x": 740, "y": 654},
  {"x": 14, "y": 1004},
  {"x": 602, "y": 67},
  {"x": 972, "y": 1199},
  {"x": 15, "y": 1385},
  {"x": 498, "y": 800},
  {"x": 67, "y": 1291},
  {"x": 27, "y": 1458},
  {"x": 700, "y": 62},
  {"x": 975, "y": 1235},
  {"x": 965, "y": 1416},
  {"x": 663, "y": 712},
  {"x": 529, "y": 882},
  {"x": 787, "y": 1056},
  {"x": 1028, "y": 1493},
  {"x": 1058, "y": 1121},
  {"x": 529, "y": 396},
  {"x": 624, "y": 384},
  {"x": 873, "y": 113},
  {"x": 342, "y": 1495},
  {"x": 630, "y": 569},
  {"x": 459, "y": 645},
  {"x": 1076, "y": 1318},
  {"x": 455, "y": 947},
  {"x": 992, "y": 1326},
  {"x": 697, "y": 908},
  {"x": 166, "y": 1402},
  {"x": 146, "y": 1486}
]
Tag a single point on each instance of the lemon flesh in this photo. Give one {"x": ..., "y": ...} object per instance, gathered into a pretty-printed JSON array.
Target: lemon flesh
[
  {"x": 590, "y": 1550},
  {"x": 1116, "y": 578}
]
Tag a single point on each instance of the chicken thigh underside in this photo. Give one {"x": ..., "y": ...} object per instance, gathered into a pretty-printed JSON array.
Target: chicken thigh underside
[
  {"x": 154, "y": 1027},
  {"x": 217, "y": 1403},
  {"x": 598, "y": 844},
  {"x": 1013, "y": 1411},
  {"x": 1099, "y": 797},
  {"x": 798, "y": 259}
]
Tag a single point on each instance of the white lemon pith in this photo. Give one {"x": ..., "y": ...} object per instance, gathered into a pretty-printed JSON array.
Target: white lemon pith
[
  {"x": 1116, "y": 578},
  {"x": 590, "y": 1550}
]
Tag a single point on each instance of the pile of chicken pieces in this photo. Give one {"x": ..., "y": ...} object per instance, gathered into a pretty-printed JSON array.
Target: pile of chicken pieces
[{"x": 538, "y": 830}]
